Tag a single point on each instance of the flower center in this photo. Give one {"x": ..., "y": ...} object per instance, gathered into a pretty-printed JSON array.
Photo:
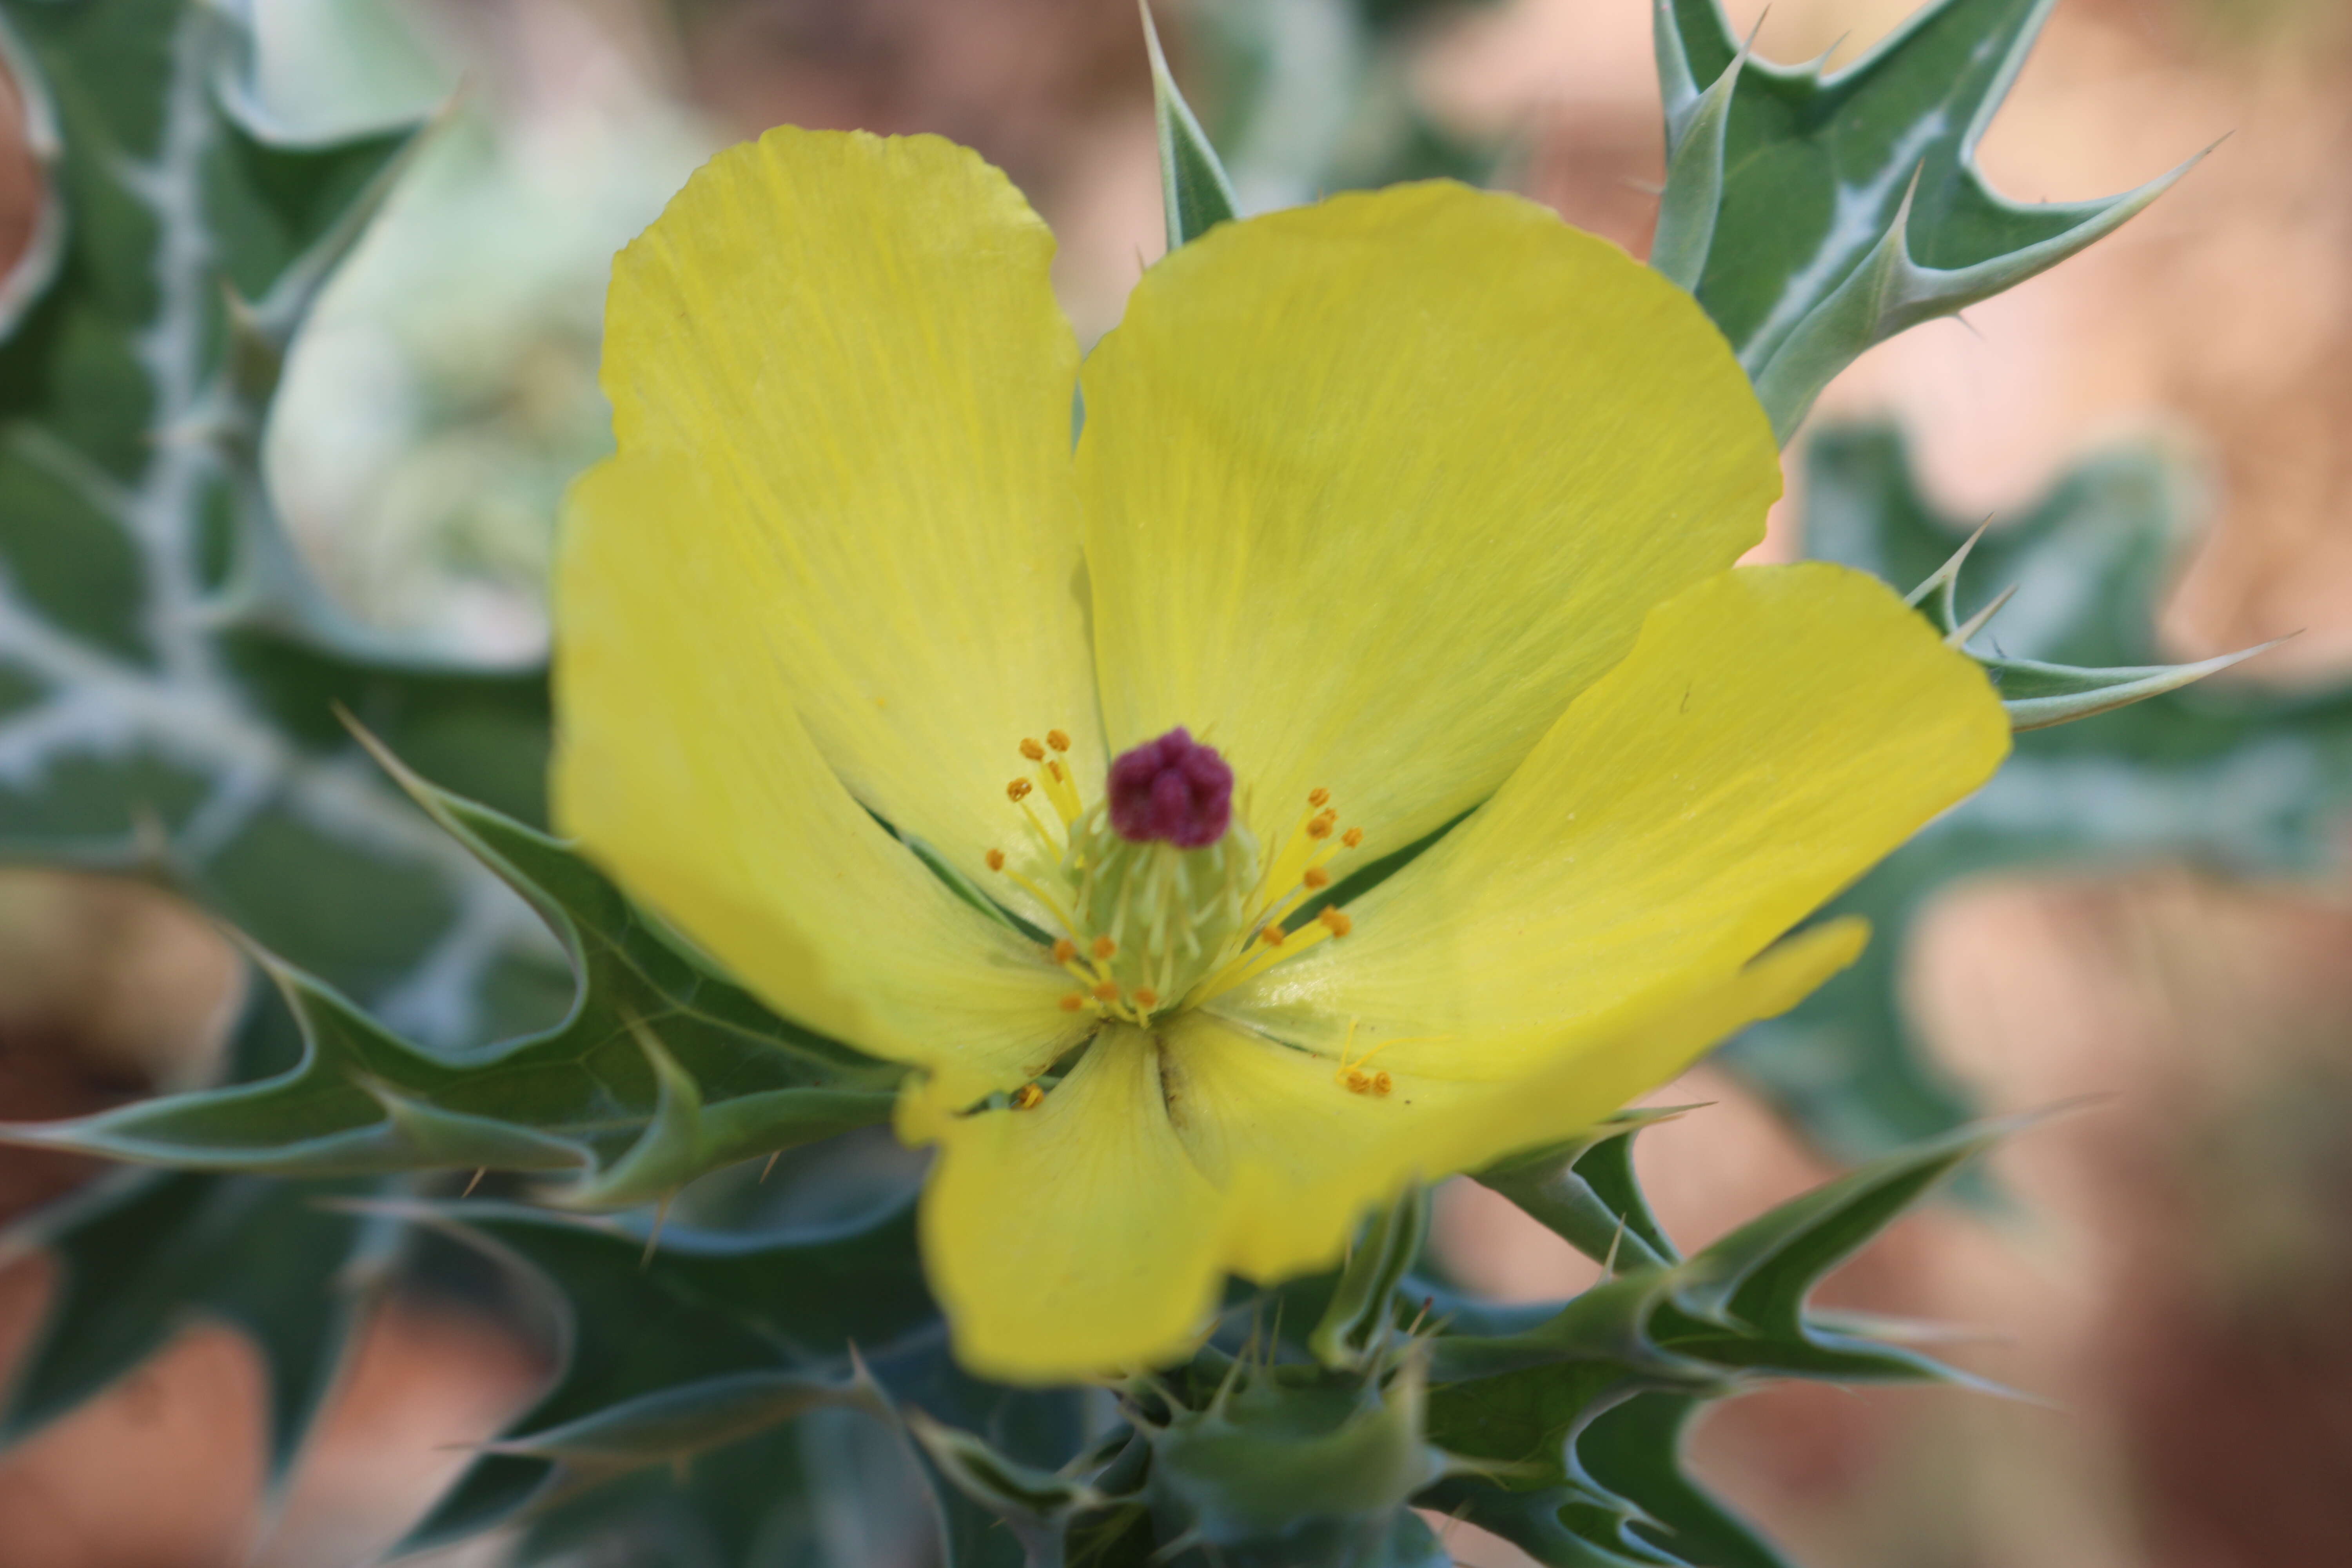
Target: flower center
[{"x": 1162, "y": 894}]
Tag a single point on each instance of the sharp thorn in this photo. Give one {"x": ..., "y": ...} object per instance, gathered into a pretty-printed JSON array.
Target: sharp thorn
[
  {"x": 1961, "y": 633},
  {"x": 475, "y": 1181},
  {"x": 653, "y": 1236}
]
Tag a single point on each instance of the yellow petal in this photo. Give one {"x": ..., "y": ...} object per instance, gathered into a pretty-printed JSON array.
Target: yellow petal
[
  {"x": 855, "y": 342},
  {"x": 682, "y": 768},
  {"x": 1090, "y": 1233},
  {"x": 1298, "y": 1156},
  {"x": 1373, "y": 488},
  {"x": 1774, "y": 733},
  {"x": 1073, "y": 1239}
]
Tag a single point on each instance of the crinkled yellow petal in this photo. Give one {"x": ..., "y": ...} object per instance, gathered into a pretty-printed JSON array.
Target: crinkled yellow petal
[
  {"x": 683, "y": 768},
  {"x": 1373, "y": 488},
  {"x": 1774, "y": 733},
  {"x": 1090, "y": 1233},
  {"x": 853, "y": 340},
  {"x": 1073, "y": 1239},
  {"x": 1298, "y": 1156}
]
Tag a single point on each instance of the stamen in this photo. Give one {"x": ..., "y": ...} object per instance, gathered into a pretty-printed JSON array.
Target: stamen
[
  {"x": 1319, "y": 796},
  {"x": 1028, "y": 1097},
  {"x": 1105, "y": 948},
  {"x": 1146, "y": 998},
  {"x": 1105, "y": 992},
  {"x": 1315, "y": 879},
  {"x": 1073, "y": 1003},
  {"x": 1338, "y": 922},
  {"x": 1018, "y": 791},
  {"x": 1273, "y": 935},
  {"x": 1064, "y": 950},
  {"x": 1353, "y": 838},
  {"x": 1033, "y": 750},
  {"x": 1055, "y": 739},
  {"x": 996, "y": 859},
  {"x": 1322, "y": 822}
]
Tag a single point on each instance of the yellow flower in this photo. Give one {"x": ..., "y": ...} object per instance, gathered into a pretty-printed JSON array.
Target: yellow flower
[{"x": 1409, "y": 504}]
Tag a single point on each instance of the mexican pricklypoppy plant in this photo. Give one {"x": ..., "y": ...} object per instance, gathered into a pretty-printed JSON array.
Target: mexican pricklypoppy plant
[{"x": 1045, "y": 766}]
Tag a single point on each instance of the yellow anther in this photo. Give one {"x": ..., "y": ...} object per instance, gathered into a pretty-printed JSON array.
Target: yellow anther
[
  {"x": 1315, "y": 879},
  {"x": 1055, "y": 770},
  {"x": 1105, "y": 948},
  {"x": 1146, "y": 997},
  {"x": 1272, "y": 935},
  {"x": 1382, "y": 1083},
  {"x": 1105, "y": 992},
  {"x": 996, "y": 859},
  {"x": 1029, "y": 1096},
  {"x": 1071, "y": 1004},
  {"x": 1353, "y": 838},
  {"x": 1033, "y": 750},
  {"x": 1319, "y": 798},
  {"x": 1064, "y": 950},
  {"x": 1056, "y": 739},
  {"x": 1018, "y": 791},
  {"x": 1321, "y": 824},
  {"x": 1336, "y": 921},
  {"x": 1358, "y": 1083}
]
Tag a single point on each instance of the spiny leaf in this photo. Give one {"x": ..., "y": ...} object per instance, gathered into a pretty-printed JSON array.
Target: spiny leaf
[
  {"x": 140, "y": 1262},
  {"x": 1354, "y": 1328},
  {"x": 2239, "y": 780},
  {"x": 661, "y": 1071},
  {"x": 704, "y": 1308},
  {"x": 1536, "y": 1405},
  {"x": 1847, "y": 206},
  {"x": 1193, "y": 187},
  {"x": 696, "y": 1344},
  {"x": 147, "y": 716},
  {"x": 1584, "y": 1191},
  {"x": 1298, "y": 1465},
  {"x": 2038, "y": 694}
]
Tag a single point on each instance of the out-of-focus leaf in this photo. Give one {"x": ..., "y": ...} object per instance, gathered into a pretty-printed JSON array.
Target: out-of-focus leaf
[
  {"x": 662, "y": 1070},
  {"x": 636, "y": 1327},
  {"x": 1847, "y": 205},
  {"x": 675, "y": 1360},
  {"x": 166, "y": 677},
  {"x": 2239, "y": 781},
  {"x": 1289, "y": 1467},
  {"x": 1305, "y": 97},
  {"x": 1355, "y": 1328},
  {"x": 1193, "y": 187}
]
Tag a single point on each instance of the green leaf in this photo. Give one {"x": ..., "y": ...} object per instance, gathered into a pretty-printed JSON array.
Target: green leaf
[
  {"x": 2240, "y": 780},
  {"x": 2038, "y": 694},
  {"x": 1355, "y": 1328},
  {"x": 712, "y": 1405},
  {"x": 1584, "y": 1191},
  {"x": 258, "y": 1256},
  {"x": 1193, "y": 185},
  {"x": 166, "y": 676},
  {"x": 648, "y": 1339},
  {"x": 1824, "y": 213},
  {"x": 1298, "y": 1466},
  {"x": 1307, "y": 96},
  {"x": 661, "y": 1071},
  {"x": 1579, "y": 1469}
]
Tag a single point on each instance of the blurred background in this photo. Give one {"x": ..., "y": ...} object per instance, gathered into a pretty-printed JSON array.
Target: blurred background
[{"x": 2164, "y": 1276}]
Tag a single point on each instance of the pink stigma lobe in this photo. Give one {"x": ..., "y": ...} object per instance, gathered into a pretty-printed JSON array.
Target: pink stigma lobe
[{"x": 1174, "y": 789}]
